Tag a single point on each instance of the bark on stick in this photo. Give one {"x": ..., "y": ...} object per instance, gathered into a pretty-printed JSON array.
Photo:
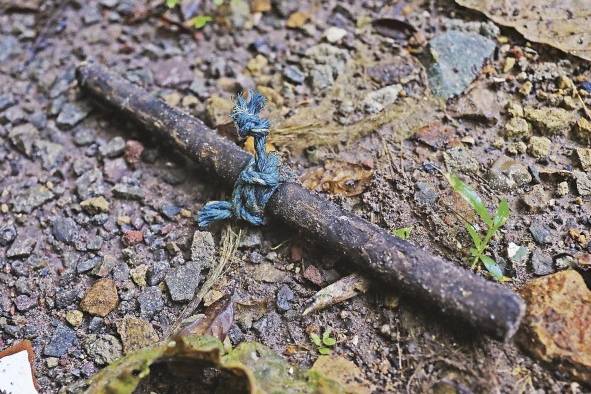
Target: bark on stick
[{"x": 491, "y": 308}]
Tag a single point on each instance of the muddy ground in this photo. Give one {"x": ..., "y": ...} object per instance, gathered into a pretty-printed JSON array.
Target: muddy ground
[{"x": 68, "y": 150}]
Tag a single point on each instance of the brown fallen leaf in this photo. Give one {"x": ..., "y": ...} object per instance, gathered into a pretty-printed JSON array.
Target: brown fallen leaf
[
  {"x": 341, "y": 290},
  {"x": 216, "y": 321},
  {"x": 563, "y": 24},
  {"x": 345, "y": 372},
  {"x": 338, "y": 177}
]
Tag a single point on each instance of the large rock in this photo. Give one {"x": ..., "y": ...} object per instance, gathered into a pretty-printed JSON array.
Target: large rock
[
  {"x": 507, "y": 174},
  {"x": 456, "y": 59},
  {"x": 556, "y": 326},
  {"x": 550, "y": 120}
]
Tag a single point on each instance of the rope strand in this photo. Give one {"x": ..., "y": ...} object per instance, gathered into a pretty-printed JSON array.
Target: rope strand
[{"x": 259, "y": 179}]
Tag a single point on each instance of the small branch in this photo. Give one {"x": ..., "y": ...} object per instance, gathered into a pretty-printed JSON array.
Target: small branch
[{"x": 395, "y": 263}]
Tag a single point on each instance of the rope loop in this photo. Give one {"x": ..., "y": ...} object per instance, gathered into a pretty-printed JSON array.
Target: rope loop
[{"x": 259, "y": 179}]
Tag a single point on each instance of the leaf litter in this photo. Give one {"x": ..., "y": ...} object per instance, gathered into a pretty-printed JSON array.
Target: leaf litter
[{"x": 561, "y": 24}]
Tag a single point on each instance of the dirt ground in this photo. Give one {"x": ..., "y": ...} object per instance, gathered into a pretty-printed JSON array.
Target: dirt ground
[{"x": 67, "y": 150}]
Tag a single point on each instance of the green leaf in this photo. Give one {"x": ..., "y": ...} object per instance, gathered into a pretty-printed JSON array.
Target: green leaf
[
  {"x": 329, "y": 341},
  {"x": 402, "y": 232},
  {"x": 218, "y": 3},
  {"x": 324, "y": 351},
  {"x": 492, "y": 267},
  {"x": 171, "y": 3},
  {"x": 472, "y": 197},
  {"x": 200, "y": 21},
  {"x": 316, "y": 339},
  {"x": 474, "y": 235},
  {"x": 502, "y": 214}
]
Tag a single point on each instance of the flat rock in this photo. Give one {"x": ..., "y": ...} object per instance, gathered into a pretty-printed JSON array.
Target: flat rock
[
  {"x": 203, "y": 250},
  {"x": 128, "y": 192},
  {"x": 72, "y": 114},
  {"x": 102, "y": 348},
  {"x": 23, "y": 137},
  {"x": 101, "y": 298},
  {"x": 266, "y": 272},
  {"x": 556, "y": 326},
  {"x": 26, "y": 199},
  {"x": 583, "y": 183},
  {"x": 183, "y": 281},
  {"x": 542, "y": 263},
  {"x": 22, "y": 247},
  {"x": 541, "y": 233},
  {"x": 62, "y": 339},
  {"x": 550, "y": 120},
  {"x": 65, "y": 230},
  {"x": 584, "y": 158},
  {"x": 456, "y": 59},
  {"x": 379, "y": 99},
  {"x": 115, "y": 147},
  {"x": 507, "y": 174},
  {"x": 536, "y": 200},
  {"x": 150, "y": 301},
  {"x": 136, "y": 333}
]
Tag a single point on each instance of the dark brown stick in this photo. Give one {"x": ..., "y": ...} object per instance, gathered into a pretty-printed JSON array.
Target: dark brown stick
[{"x": 491, "y": 308}]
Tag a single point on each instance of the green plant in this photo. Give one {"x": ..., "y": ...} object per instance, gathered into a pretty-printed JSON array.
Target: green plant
[
  {"x": 200, "y": 21},
  {"x": 323, "y": 344},
  {"x": 172, "y": 3},
  {"x": 402, "y": 232},
  {"x": 493, "y": 224}
]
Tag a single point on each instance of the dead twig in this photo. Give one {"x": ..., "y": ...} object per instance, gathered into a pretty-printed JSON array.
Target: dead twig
[{"x": 491, "y": 308}]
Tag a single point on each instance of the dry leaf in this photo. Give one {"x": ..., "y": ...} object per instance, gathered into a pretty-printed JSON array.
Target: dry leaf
[
  {"x": 337, "y": 292},
  {"x": 343, "y": 371},
  {"x": 216, "y": 321},
  {"x": 563, "y": 24},
  {"x": 338, "y": 177}
]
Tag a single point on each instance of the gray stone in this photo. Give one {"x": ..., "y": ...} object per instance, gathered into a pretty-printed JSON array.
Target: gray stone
[
  {"x": 536, "y": 200},
  {"x": 65, "y": 298},
  {"x": 321, "y": 77},
  {"x": 157, "y": 272},
  {"x": 24, "y": 302},
  {"x": 294, "y": 75},
  {"x": 62, "y": 83},
  {"x": 284, "y": 298},
  {"x": 183, "y": 281},
  {"x": 456, "y": 59},
  {"x": 84, "y": 137},
  {"x": 71, "y": 114},
  {"x": 507, "y": 174},
  {"x": 267, "y": 328},
  {"x": 90, "y": 184},
  {"x": 541, "y": 233},
  {"x": 251, "y": 239},
  {"x": 8, "y": 46},
  {"x": 88, "y": 264},
  {"x": 379, "y": 99},
  {"x": 26, "y": 199},
  {"x": 203, "y": 250},
  {"x": 23, "y": 137},
  {"x": 150, "y": 301},
  {"x": 6, "y": 101},
  {"x": 115, "y": 147},
  {"x": 103, "y": 348},
  {"x": 583, "y": 183},
  {"x": 541, "y": 263},
  {"x": 425, "y": 193},
  {"x": 65, "y": 230},
  {"x": 7, "y": 234},
  {"x": 51, "y": 154},
  {"x": 22, "y": 247},
  {"x": 62, "y": 339},
  {"x": 460, "y": 160},
  {"x": 128, "y": 192}
]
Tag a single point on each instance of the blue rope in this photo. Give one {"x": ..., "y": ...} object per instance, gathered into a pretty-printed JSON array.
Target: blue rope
[{"x": 259, "y": 179}]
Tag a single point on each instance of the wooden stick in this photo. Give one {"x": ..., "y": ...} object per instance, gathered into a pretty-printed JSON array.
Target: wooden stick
[{"x": 455, "y": 291}]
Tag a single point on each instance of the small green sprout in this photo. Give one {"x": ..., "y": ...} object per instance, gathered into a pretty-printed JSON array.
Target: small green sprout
[
  {"x": 402, "y": 232},
  {"x": 200, "y": 21},
  {"x": 171, "y": 3},
  {"x": 323, "y": 345},
  {"x": 493, "y": 224}
]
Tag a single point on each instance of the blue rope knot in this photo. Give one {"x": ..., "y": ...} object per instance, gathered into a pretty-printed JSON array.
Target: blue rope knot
[{"x": 259, "y": 179}]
